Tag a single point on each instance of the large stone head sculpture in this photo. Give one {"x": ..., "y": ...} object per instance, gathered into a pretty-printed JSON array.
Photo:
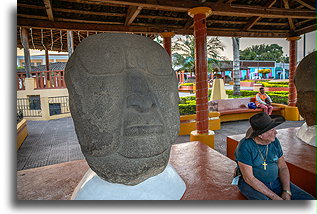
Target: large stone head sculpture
[
  {"x": 124, "y": 103},
  {"x": 305, "y": 82}
]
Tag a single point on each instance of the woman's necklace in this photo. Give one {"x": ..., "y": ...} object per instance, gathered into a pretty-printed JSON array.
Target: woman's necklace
[{"x": 264, "y": 160}]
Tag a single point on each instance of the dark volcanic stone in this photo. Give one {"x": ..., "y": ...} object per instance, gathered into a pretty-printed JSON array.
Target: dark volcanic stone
[
  {"x": 305, "y": 82},
  {"x": 124, "y": 103}
]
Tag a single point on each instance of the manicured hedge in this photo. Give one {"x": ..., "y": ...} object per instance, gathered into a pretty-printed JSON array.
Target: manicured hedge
[
  {"x": 276, "y": 96},
  {"x": 187, "y": 84},
  {"x": 187, "y": 105},
  {"x": 275, "y": 84},
  {"x": 247, "y": 81}
]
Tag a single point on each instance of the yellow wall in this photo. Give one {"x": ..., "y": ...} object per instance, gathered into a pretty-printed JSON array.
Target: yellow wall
[
  {"x": 22, "y": 132},
  {"x": 44, "y": 95},
  {"x": 188, "y": 123},
  {"x": 36, "y": 61}
]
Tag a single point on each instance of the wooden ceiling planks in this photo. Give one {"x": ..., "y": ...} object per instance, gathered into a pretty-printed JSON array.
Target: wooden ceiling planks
[{"x": 241, "y": 18}]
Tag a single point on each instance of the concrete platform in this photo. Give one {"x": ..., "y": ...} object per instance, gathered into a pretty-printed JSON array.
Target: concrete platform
[
  {"x": 299, "y": 156},
  {"x": 206, "y": 172}
]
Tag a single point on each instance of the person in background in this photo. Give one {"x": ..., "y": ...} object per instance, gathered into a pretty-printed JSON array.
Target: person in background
[
  {"x": 262, "y": 172},
  {"x": 262, "y": 100}
]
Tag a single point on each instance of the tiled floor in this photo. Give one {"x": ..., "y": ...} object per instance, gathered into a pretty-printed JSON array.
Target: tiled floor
[{"x": 55, "y": 141}]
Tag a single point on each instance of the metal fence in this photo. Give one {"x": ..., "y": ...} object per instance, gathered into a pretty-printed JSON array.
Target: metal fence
[
  {"x": 58, "y": 105},
  {"x": 29, "y": 108}
]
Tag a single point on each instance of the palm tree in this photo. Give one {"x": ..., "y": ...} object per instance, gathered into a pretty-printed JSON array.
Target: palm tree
[{"x": 184, "y": 53}]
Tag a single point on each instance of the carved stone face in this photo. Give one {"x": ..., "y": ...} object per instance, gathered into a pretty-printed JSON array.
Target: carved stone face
[
  {"x": 305, "y": 82},
  {"x": 124, "y": 103}
]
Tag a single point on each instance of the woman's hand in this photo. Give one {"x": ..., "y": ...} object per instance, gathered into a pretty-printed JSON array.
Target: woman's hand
[{"x": 286, "y": 196}]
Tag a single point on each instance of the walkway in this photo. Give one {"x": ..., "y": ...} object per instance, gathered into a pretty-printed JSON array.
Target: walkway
[{"x": 55, "y": 141}]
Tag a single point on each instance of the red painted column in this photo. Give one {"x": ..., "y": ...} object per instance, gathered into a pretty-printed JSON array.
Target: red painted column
[
  {"x": 182, "y": 77},
  {"x": 200, "y": 32},
  {"x": 167, "y": 41},
  {"x": 292, "y": 95}
]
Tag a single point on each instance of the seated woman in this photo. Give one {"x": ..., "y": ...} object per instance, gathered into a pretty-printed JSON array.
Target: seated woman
[{"x": 264, "y": 173}]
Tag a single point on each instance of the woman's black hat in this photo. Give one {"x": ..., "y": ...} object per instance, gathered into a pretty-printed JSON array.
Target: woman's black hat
[{"x": 262, "y": 122}]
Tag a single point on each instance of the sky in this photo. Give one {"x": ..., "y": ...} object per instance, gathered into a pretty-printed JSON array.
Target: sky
[
  {"x": 244, "y": 43},
  {"x": 248, "y": 42}
]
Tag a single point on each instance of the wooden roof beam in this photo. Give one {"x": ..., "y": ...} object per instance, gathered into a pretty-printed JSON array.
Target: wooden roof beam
[
  {"x": 49, "y": 10},
  {"x": 290, "y": 20},
  {"x": 306, "y": 29},
  {"x": 254, "y": 19},
  {"x": 220, "y": 9},
  {"x": 44, "y": 24},
  {"x": 251, "y": 23},
  {"x": 227, "y": 1},
  {"x": 306, "y": 4},
  {"x": 89, "y": 12},
  {"x": 189, "y": 23},
  {"x": 133, "y": 12}
]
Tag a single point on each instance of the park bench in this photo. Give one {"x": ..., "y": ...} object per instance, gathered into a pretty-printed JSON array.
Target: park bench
[
  {"x": 300, "y": 157},
  {"x": 237, "y": 109}
]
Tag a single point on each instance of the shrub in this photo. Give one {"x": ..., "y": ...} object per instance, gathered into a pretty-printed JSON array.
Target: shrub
[
  {"x": 183, "y": 100},
  {"x": 187, "y": 105},
  {"x": 187, "y": 84},
  {"x": 279, "y": 98},
  {"x": 265, "y": 71},
  {"x": 274, "y": 84},
  {"x": 247, "y": 81},
  {"x": 244, "y": 93},
  {"x": 189, "y": 108},
  {"x": 276, "y": 96},
  {"x": 259, "y": 80}
]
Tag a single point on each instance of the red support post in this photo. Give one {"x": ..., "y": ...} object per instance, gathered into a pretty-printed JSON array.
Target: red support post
[
  {"x": 167, "y": 41},
  {"x": 292, "y": 95},
  {"x": 182, "y": 77},
  {"x": 200, "y": 32}
]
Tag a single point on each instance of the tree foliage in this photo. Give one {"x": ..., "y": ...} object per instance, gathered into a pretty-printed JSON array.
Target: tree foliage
[
  {"x": 272, "y": 52},
  {"x": 265, "y": 71},
  {"x": 184, "y": 52}
]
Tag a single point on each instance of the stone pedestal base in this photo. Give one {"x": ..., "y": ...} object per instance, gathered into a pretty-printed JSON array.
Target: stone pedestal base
[
  {"x": 167, "y": 185},
  {"x": 208, "y": 138},
  {"x": 307, "y": 134},
  {"x": 218, "y": 91}
]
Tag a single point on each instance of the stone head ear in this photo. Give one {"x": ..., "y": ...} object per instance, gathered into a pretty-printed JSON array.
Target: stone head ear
[{"x": 305, "y": 82}]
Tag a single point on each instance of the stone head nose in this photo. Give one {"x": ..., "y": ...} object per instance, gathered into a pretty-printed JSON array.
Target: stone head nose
[
  {"x": 140, "y": 103},
  {"x": 139, "y": 95}
]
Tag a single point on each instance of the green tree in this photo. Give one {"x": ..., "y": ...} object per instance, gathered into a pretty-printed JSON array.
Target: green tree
[
  {"x": 272, "y": 52},
  {"x": 184, "y": 52}
]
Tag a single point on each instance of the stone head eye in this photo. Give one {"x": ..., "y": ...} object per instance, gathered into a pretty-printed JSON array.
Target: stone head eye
[
  {"x": 159, "y": 62},
  {"x": 110, "y": 59}
]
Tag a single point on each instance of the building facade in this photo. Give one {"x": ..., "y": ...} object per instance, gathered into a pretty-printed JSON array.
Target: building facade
[{"x": 37, "y": 60}]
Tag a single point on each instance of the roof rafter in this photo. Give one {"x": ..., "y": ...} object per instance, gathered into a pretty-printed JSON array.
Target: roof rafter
[
  {"x": 306, "y": 29},
  {"x": 306, "y": 4},
  {"x": 143, "y": 29},
  {"x": 290, "y": 20},
  {"x": 132, "y": 13},
  {"x": 217, "y": 8},
  {"x": 49, "y": 10},
  {"x": 254, "y": 19},
  {"x": 189, "y": 24}
]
